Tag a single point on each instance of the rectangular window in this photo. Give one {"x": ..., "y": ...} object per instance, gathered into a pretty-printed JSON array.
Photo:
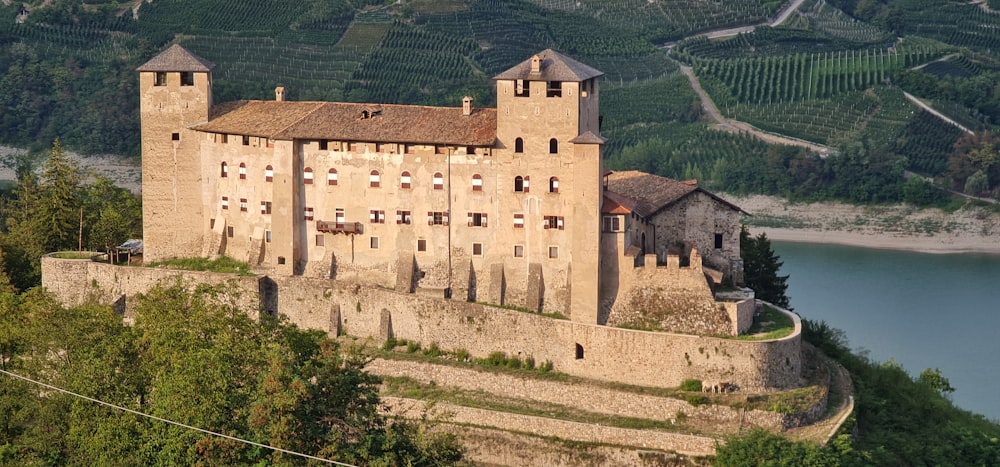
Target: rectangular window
[
  {"x": 161, "y": 79},
  {"x": 229, "y": 231},
  {"x": 376, "y": 216},
  {"x": 612, "y": 224},
  {"x": 211, "y": 224},
  {"x": 243, "y": 205},
  {"x": 522, "y": 88},
  {"x": 477, "y": 219},
  {"x": 374, "y": 243},
  {"x": 320, "y": 239},
  {"x": 409, "y": 148},
  {"x": 187, "y": 78},
  {"x": 477, "y": 249},
  {"x": 553, "y": 89},
  {"x": 246, "y": 140},
  {"x": 340, "y": 216},
  {"x": 323, "y": 145},
  {"x": 519, "y": 251},
  {"x": 404, "y": 180},
  {"x": 421, "y": 245},
  {"x": 518, "y": 221},
  {"x": 265, "y": 207},
  {"x": 437, "y": 218},
  {"x": 225, "y": 202},
  {"x": 553, "y": 222},
  {"x": 268, "y": 174},
  {"x": 438, "y": 181},
  {"x": 307, "y": 176},
  {"x": 225, "y": 139},
  {"x": 718, "y": 240},
  {"x": 353, "y": 146},
  {"x": 270, "y": 143},
  {"x": 175, "y": 136},
  {"x": 403, "y": 217},
  {"x": 553, "y": 252},
  {"x": 308, "y": 214},
  {"x": 267, "y": 236},
  {"x": 243, "y": 172}
]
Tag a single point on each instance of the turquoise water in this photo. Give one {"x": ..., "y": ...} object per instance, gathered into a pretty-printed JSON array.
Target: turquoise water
[{"x": 923, "y": 310}]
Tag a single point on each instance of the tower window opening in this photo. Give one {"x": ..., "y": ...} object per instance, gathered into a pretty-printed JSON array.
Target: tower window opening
[
  {"x": 579, "y": 352},
  {"x": 187, "y": 78},
  {"x": 518, "y": 145},
  {"x": 553, "y": 89},
  {"x": 553, "y": 146},
  {"x": 161, "y": 79}
]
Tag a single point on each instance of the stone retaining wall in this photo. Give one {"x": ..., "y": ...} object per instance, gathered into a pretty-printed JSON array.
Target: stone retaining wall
[{"x": 586, "y": 350}]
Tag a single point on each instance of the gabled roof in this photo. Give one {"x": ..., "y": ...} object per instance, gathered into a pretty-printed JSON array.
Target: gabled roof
[
  {"x": 390, "y": 123},
  {"x": 615, "y": 203},
  {"x": 554, "y": 67},
  {"x": 658, "y": 192},
  {"x": 177, "y": 58}
]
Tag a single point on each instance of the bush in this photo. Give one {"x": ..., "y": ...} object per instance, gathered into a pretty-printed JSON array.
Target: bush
[
  {"x": 696, "y": 399},
  {"x": 691, "y": 385},
  {"x": 433, "y": 350}
]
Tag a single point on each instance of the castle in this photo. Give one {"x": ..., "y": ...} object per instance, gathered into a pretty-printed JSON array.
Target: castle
[
  {"x": 327, "y": 201},
  {"x": 508, "y": 205}
]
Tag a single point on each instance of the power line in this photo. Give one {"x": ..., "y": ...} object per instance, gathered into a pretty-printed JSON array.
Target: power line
[{"x": 124, "y": 409}]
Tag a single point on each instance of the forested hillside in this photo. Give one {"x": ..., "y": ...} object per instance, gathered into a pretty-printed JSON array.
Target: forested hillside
[{"x": 833, "y": 73}]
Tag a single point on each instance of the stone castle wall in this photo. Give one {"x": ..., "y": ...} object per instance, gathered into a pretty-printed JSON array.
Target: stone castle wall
[{"x": 586, "y": 350}]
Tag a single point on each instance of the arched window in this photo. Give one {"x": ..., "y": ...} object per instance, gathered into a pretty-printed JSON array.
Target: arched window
[
  {"x": 518, "y": 145},
  {"x": 224, "y": 170},
  {"x": 331, "y": 177},
  {"x": 554, "y": 185},
  {"x": 268, "y": 174},
  {"x": 438, "y": 181},
  {"x": 243, "y": 171},
  {"x": 307, "y": 176},
  {"x": 375, "y": 179},
  {"x": 404, "y": 180},
  {"x": 477, "y": 182},
  {"x": 553, "y": 146},
  {"x": 519, "y": 183}
]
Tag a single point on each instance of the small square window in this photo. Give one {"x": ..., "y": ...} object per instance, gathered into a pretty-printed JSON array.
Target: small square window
[
  {"x": 319, "y": 239},
  {"x": 281, "y": 260},
  {"x": 518, "y": 221},
  {"x": 175, "y": 136},
  {"x": 421, "y": 245},
  {"x": 553, "y": 252},
  {"x": 519, "y": 251},
  {"x": 187, "y": 78},
  {"x": 161, "y": 78},
  {"x": 477, "y": 249},
  {"x": 243, "y": 205},
  {"x": 374, "y": 243},
  {"x": 265, "y": 207}
]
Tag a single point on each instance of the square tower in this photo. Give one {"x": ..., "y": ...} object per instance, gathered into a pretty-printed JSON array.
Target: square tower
[{"x": 175, "y": 92}]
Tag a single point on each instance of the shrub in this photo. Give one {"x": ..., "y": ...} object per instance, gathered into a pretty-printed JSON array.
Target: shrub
[
  {"x": 696, "y": 399},
  {"x": 546, "y": 366},
  {"x": 433, "y": 350},
  {"x": 412, "y": 347},
  {"x": 691, "y": 385}
]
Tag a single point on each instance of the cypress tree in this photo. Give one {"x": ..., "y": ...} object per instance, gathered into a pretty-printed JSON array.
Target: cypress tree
[{"x": 760, "y": 269}]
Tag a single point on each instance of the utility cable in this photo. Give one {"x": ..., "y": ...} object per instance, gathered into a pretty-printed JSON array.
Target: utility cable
[{"x": 154, "y": 417}]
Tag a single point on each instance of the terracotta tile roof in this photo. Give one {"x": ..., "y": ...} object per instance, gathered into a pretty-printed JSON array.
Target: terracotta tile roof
[
  {"x": 177, "y": 58},
  {"x": 257, "y": 118},
  {"x": 555, "y": 67},
  {"x": 615, "y": 203},
  {"x": 346, "y": 122},
  {"x": 657, "y": 192}
]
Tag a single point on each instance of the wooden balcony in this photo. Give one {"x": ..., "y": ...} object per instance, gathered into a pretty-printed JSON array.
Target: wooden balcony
[{"x": 347, "y": 228}]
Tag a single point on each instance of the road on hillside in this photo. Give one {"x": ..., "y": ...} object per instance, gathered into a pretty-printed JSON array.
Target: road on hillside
[{"x": 735, "y": 126}]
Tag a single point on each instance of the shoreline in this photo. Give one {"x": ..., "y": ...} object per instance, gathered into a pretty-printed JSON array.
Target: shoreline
[
  {"x": 970, "y": 230},
  {"x": 927, "y": 245}
]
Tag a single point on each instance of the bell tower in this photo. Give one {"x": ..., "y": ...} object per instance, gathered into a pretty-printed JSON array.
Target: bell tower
[{"x": 175, "y": 92}]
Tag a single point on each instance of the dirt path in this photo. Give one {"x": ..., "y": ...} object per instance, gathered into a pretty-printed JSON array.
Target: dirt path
[{"x": 937, "y": 114}]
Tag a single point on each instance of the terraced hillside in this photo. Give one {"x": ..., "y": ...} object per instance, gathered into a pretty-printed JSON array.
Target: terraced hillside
[{"x": 822, "y": 75}]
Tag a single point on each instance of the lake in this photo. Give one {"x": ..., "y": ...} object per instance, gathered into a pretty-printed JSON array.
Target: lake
[{"x": 923, "y": 310}]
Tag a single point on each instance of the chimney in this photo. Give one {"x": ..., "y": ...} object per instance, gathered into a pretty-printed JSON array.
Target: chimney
[
  {"x": 536, "y": 64},
  {"x": 279, "y": 94},
  {"x": 467, "y": 105}
]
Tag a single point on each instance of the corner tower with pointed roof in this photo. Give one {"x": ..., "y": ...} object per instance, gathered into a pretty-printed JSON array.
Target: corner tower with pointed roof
[
  {"x": 548, "y": 122},
  {"x": 175, "y": 89}
]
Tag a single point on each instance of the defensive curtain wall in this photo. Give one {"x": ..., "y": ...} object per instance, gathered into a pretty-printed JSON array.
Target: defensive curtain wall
[{"x": 585, "y": 350}]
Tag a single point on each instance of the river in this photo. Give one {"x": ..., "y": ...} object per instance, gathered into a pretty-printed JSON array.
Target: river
[{"x": 923, "y": 310}]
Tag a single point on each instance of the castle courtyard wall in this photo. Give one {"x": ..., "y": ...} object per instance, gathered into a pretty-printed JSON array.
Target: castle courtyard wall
[{"x": 606, "y": 353}]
